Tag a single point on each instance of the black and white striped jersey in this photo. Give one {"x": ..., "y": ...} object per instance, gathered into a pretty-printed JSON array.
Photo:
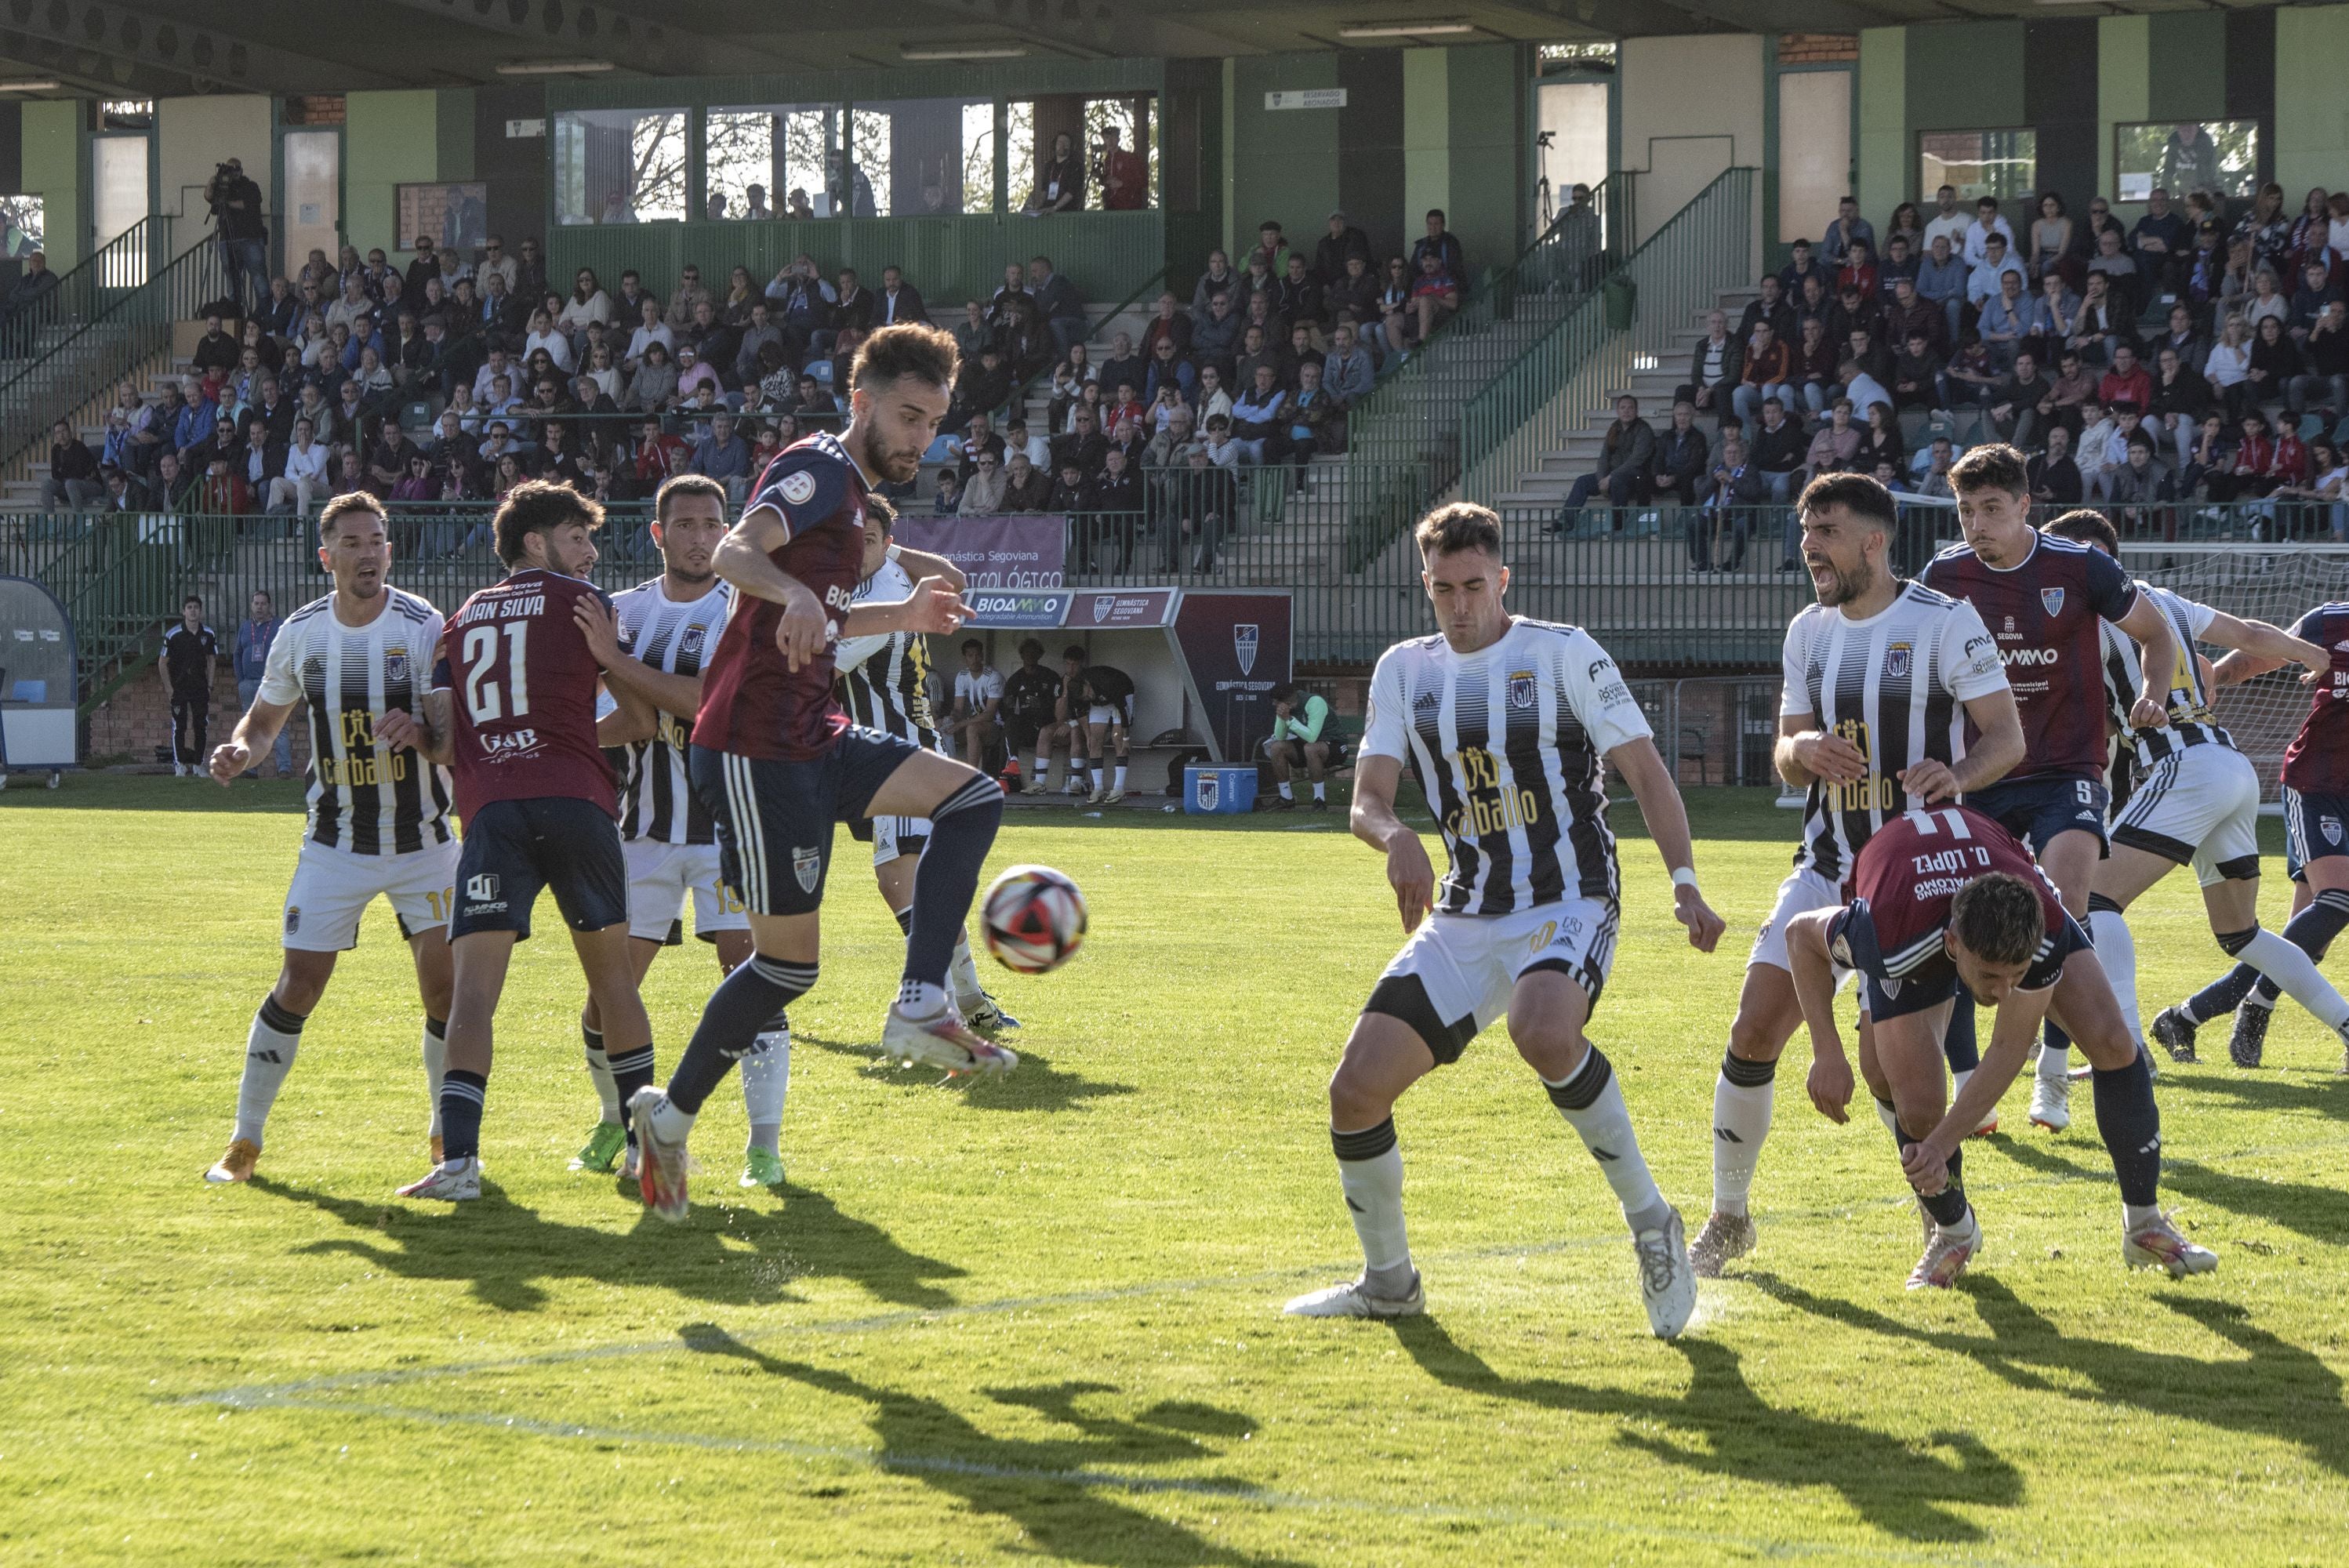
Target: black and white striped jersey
[
  {"x": 886, "y": 675},
  {"x": 1895, "y": 685},
  {"x": 1505, "y": 744},
  {"x": 2120, "y": 696},
  {"x": 363, "y": 796},
  {"x": 656, "y": 802},
  {"x": 2191, "y": 722}
]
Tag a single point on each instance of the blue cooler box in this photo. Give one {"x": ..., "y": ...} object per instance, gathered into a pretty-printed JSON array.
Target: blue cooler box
[{"x": 1218, "y": 792}]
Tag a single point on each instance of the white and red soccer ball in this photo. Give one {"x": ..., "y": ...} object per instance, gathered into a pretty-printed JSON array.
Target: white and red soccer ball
[{"x": 1034, "y": 919}]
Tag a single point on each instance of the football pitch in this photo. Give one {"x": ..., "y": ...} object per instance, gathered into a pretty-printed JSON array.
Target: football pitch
[{"x": 1037, "y": 1319}]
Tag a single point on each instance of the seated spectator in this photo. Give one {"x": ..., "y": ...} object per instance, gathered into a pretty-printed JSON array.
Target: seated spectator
[
  {"x": 218, "y": 348},
  {"x": 1901, "y": 261},
  {"x": 1943, "y": 280},
  {"x": 2160, "y": 243},
  {"x": 588, "y": 302},
  {"x": 1835, "y": 242},
  {"x": 975, "y": 720},
  {"x": 1124, "y": 365},
  {"x": 1626, "y": 456},
  {"x": 1059, "y": 302},
  {"x": 1982, "y": 284},
  {"x": 1016, "y": 439},
  {"x": 1725, "y": 523},
  {"x": 1879, "y": 439},
  {"x": 2055, "y": 479},
  {"x": 2141, "y": 481},
  {"x": 1030, "y": 697},
  {"x": 1815, "y": 361},
  {"x": 1167, "y": 324},
  {"x": 981, "y": 385},
  {"x": 1987, "y": 226},
  {"x": 1026, "y": 487},
  {"x": 1800, "y": 268},
  {"x": 2324, "y": 381},
  {"x": 1771, "y": 306},
  {"x": 689, "y": 294},
  {"x": 1856, "y": 271},
  {"x": 1681, "y": 454},
  {"x": 1343, "y": 243},
  {"x": 305, "y": 476},
  {"x": 2181, "y": 398},
  {"x": 1974, "y": 375},
  {"x": 1213, "y": 398},
  {"x": 1084, "y": 445},
  {"x": 2228, "y": 367},
  {"x": 759, "y": 333},
  {"x": 1298, "y": 299},
  {"x": 1835, "y": 445},
  {"x": 1317, "y": 423},
  {"x": 1261, "y": 418},
  {"x": 2118, "y": 269},
  {"x": 2309, "y": 300},
  {"x": 1434, "y": 294},
  {"x": 1444, "y": 245},
  {"x": 2014, "y": 405},
  {"x": 1300, "y": 739},
  {"x": 723, "y": 456},
  {"x": 692, "y": 374},
  {"x": 2091, "y": 447},
  {"x": 983, "y": 492},
  {"x": 1167, "y": 372},
  {"x": 1256, "y": 349},
  {"x": 947, "y": 501},
  {"x": 1778, "y": 450},
  {"x": 1769, "y": 364},
  {"x": 1345, "y": 371},
  {"x": 1215, "y": 338},
  {"x": 1918, "y": 379},
  {"x": 2126, "y": 381},
  {"x": 73, "y": 479},
  {"x": 1715, "y": 367},
  {"x": 653, "y": 385},
  {"x": 2276, "y": 363}
]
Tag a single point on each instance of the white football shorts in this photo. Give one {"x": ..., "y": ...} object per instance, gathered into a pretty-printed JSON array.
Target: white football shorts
[
  {"x": 332, "y": 888},
  {"x": 661, "y": 876},
  {"x": 1469, "y": 964},
  {"x": 2199, "y": 806}
]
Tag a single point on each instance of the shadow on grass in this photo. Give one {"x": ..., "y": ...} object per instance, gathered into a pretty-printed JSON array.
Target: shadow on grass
[
  {"x": 1721, "y": 1426},
  {"x": 509, "y": 1253},
  {"x": 2275, "y": 1389},
  {"x": 1052, "y": 1487},
  {"x": 2328, "y": 1095},
  {"x": 1034, "y": 1085}
]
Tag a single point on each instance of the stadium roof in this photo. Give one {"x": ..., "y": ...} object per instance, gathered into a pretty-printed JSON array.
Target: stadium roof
[{"x": 153, "y": 49}]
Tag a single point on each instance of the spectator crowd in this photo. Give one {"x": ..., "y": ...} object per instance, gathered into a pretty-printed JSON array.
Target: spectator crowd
[{"x": 2198, "y": 357}]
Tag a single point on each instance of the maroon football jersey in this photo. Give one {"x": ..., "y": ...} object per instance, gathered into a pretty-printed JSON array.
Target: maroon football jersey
[
  {"x": 2044, "y": 614},
  {"x": 752, "y": 703},
  {"x": 2317, "y": 762},
  {"x": 522, "y": 687},
  {"x": 1904, "y": 880}
]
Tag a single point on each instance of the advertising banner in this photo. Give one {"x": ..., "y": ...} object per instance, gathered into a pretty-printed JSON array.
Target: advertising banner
[
  {"x": 1238, "y": 647},
  {"x": 1116, "y": 609},
  {"x": 1023, "y": 552}
]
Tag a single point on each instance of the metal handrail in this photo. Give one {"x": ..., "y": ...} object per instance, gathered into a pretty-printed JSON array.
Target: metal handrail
[
  {"x": 81, "y": 294},
  {"x": 1527, "y": 409}
]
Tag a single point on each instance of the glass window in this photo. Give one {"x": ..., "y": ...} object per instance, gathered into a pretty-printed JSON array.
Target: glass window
[
  {"x": 2185, "y": 156},
  {"x": 2001, "y": 163},
  {"x": 915, "y": 156},
  {"x": 769, "y": 160},
  {"x": 22, "y": 224},
  {"x": 1069, "y": 152},
  {"x": 619, "y": 165}
]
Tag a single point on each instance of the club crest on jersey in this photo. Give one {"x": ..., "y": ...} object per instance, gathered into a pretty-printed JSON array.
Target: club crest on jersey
[
  {"x": 2010, "y": 623},
  {"x": 1897, "y": 660},
  {"x": 395, "y": 667},
  {"x": 796, "y": 487},
  {"x": 1243, "y": 642},
  {"x": 2330, "y": 827},
  {"x": 689, "y": 640},
  {"x": 2053, "y": 598},
  {"x": 1521, "y": 688},
  {"x": 293, "y": 918},
  {"x": 807, "y": 865}
]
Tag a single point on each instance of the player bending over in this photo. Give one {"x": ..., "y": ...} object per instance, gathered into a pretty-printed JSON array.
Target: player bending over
[
  {"x": 1504, "y": 721},
  {"x": 651, "y": 644},
  {"x": 1883, "y": 679},
  {"x": 379, "y": 816},
  {"x": 776, "y": 762},
  {"x": 2045, "y": 601},
  {"x": 1946, "y": 899},
  {"x": 2197, "y": 805},
  {"x": 883, "y": 685},
  {"x": 2316, "y": 848},
  {"x": 513, "y": 713}
]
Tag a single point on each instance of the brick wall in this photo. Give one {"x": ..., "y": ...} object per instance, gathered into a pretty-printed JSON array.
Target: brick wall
[
  {"x": 1818, "y": 48},
  {"x": 138, "y": 718}
]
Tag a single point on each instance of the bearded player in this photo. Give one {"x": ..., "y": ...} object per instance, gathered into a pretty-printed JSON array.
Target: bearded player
[
  {"x": 2045, "y": 600},
  {"x": 776, "y": 763},
  {"x": 1883, "y": 680}
]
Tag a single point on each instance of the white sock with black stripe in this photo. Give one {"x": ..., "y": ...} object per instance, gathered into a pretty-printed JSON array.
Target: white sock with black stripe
[
  {"x": 1591, "y": 1101},
  {"x": 269, "y": 1049}
]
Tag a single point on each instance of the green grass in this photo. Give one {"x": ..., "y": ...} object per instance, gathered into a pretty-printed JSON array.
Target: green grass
[{"x": 1037, "y": 1319}]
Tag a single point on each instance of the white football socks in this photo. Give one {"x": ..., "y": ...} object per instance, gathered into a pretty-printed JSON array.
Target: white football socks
[
  {"x": 1285, "y": 793},
  {"x": 2116, "y": 951},
  {"x": 1741, "y": 1122},
  {"x": 1600, "y": 1118},
  {"x": 1121, "y": 775},
  {"x": 269, "y": 1049},
  {"x": 599, "y": 1069},
  {"x": 766, "y": 1080},
  {"x": 2283, "y": 963},
  {"x": 1373, "y": 1190},
  {"x": 1320, "y": 791},
  {"x": 962, "y": 973}
]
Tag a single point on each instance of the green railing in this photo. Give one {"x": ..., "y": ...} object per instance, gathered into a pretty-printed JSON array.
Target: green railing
[
  {"x": 1529, "y": 408},
  {"x": 1410, "y": 420},
  {"x": 126, "y": 332},
  {"x": 79, "y": 295},
  {"x": 949, "y": 259}
]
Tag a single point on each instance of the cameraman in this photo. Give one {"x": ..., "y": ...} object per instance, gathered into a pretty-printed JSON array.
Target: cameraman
[{"x": 236, "y": 204}]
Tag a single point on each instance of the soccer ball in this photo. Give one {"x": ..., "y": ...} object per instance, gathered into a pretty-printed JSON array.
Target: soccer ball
[{"x": 1034, "y": 919}]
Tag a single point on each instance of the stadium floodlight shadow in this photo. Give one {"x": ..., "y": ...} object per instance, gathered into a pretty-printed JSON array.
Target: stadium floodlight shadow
[
  {"x": 1050, "y": 1488},
  {"x": 2273, "y": 1390},
  {"x": 508, "y": 1251},
  {"x": 1721, "y": 1426},
  {"x": 1034, "y": 1085}
]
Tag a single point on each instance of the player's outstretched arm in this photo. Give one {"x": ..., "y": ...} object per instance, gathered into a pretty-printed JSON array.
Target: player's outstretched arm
[
  {"x": 1830, "y": 1082},
  {"x": 921, "y": 563},
  {"x": 2013, "y": 1035},
  {"x": 1642, "y": 768},
  {"x": 1806, "y": 752},
  {"x": 1374, "y": 822},
  {"x": 2150, "y": 627},
  {"x": 251, "y": 737},
  {"x": 1997, "y": 747},
  {"x": 2236, "y": 668},
  {"x": 2271, "y": 645},
  {"x": 934, "y": 606}
]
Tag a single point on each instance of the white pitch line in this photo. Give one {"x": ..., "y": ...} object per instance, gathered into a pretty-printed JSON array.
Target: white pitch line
[
  {"x": 253, "y": 1395},
  {"x": 1230, "y": 1491}
]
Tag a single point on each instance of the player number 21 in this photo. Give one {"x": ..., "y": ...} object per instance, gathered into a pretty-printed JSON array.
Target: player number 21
[{"x": 481, "y": 698}]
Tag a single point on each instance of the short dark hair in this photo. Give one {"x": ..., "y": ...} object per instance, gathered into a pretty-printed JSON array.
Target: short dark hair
[
  {"x": 1073, "y": 652},
  {"x": 1462, "y": 525},
  {"x": 2088, "y": 528},
  {"x": 1029, "y": 648},
  {"x": 686, "y": 484},
  {"x": 535, "y": 506},
  {"x": 196, "y": 599},
  {"x": 1283, "y": 692},
  {"x": 909, "y": 348},
  {"x": 1994, "y": 466},
  {"x": 1998, "y": 919},
  {"x": 342, "y": 505},
  {"x": 970, "y": 643},
  {"x": 1857, "y": 493}
]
